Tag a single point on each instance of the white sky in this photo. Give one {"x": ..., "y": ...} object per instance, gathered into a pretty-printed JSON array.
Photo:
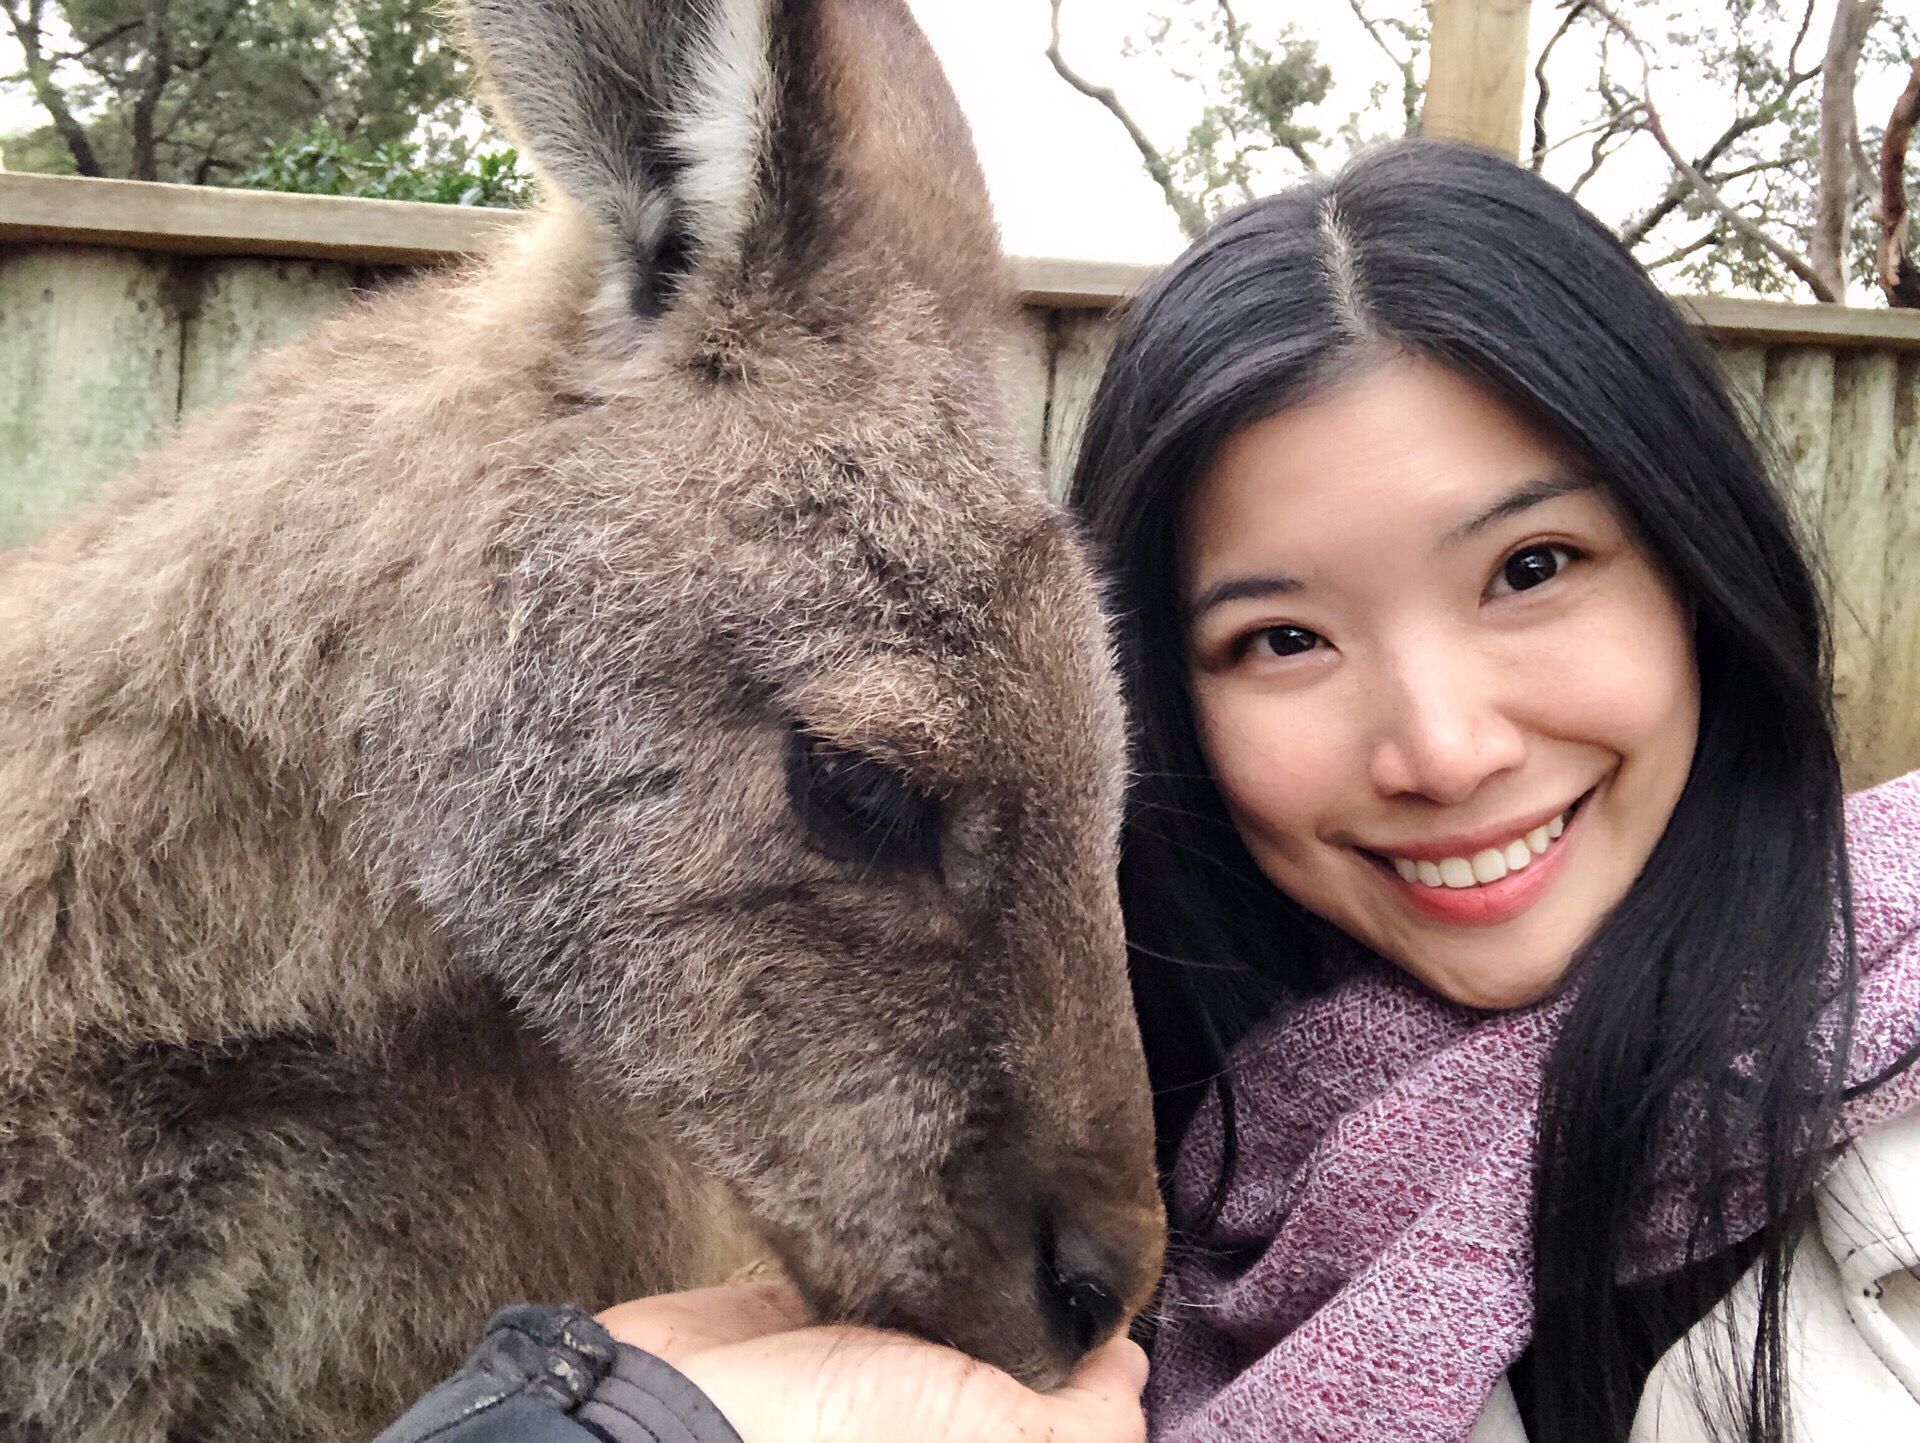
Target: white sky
[{"x": 1067, "y": 181}]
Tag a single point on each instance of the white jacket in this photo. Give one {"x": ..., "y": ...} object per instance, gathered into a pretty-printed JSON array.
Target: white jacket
[{"x": 1852, "y": 1317}]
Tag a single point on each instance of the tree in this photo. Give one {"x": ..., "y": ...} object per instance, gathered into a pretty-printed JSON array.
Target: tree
[
  {"x": 200, "y": 90},
  {"x": 1893, "y": 268},
  {"x": 1775, "y": 194},
  {"x": 1844, "y": 172}
]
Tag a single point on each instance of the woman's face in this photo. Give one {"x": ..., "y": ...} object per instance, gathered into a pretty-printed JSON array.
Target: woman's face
[{"x": 1448, "y": 697}]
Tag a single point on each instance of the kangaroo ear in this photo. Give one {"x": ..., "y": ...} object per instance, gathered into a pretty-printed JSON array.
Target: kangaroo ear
[{"x": 652, "y": 115}]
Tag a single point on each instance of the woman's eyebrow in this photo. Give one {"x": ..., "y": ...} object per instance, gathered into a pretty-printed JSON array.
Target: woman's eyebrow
[
  {"x": 1239, "y": 588},
  {"x": 1523, "y": 496}
]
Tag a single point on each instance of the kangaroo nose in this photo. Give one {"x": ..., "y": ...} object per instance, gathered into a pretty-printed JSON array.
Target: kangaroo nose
[{"x": 1082, "y": 1306}]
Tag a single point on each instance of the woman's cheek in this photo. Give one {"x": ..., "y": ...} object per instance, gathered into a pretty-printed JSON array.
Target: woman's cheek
[
  {"x": 1622, "y": 676},
  {"x": 1274, "y": 768}
]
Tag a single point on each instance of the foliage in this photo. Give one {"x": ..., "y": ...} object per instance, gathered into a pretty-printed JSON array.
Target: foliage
[
  {"x": 202, "y": 90},
  {"x": 321, "y": 161},
  {"x": 40, "y": 151},
  {"x": 1252, "y": 111}
]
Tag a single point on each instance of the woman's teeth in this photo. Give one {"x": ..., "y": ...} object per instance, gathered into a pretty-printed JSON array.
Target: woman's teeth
[{"x": 1483, "y": 867}]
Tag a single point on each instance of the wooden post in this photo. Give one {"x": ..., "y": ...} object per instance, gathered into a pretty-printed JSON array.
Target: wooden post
[{"x": 1477, "y": 72}]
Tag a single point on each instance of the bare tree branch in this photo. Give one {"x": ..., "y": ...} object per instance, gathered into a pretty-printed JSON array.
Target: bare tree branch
[
  {"x": 1711, "y": 238},
  {"x": 1621, "y": 127},
  {"x": 1237, "y": 167},
  {"x": 195, "y": 63},
  {"x": 1800, "y": 38},
  {"x": 1409, "y": 78},
  {"x": 1840, "y": 164},
  {"x": 1710, "y": 194},
  {"x": 1234, "y": 31},
  {"x": 1741, "y": 125},
  {"x": 1192, "y": 218},
  {"x": 1895, "y": 272},
  {"x": 1705, "y": 189},
  {"x": 1637, "y": 230},
  {"x": 101, "y": 40},
  {"x": 1724, "y": 178},
  {"x": 1607, "y": 125},
  {"x": 1540, "y": 146}
]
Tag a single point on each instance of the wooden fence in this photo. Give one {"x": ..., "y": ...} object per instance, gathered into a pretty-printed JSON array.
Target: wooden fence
[{"x": 123, "y": 306}]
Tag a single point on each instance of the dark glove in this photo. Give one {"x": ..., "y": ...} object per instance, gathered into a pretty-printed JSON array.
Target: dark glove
[{"x": 554, "y": 1375}]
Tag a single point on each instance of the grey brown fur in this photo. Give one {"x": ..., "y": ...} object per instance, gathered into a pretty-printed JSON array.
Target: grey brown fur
[{"x": 405, "y": 907}]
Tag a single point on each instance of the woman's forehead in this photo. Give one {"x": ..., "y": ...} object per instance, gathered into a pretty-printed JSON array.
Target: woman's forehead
[{"x": 1409, "y": 452}]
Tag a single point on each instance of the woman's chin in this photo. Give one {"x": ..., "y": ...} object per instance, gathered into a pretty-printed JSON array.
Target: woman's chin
[{"x": 1487, "y": 989}]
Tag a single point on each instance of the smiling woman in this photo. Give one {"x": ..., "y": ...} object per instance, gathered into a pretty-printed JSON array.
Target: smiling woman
[{"x": 1486, "y": 797}]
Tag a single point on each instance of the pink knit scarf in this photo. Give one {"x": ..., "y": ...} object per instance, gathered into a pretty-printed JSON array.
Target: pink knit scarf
[{"x": 1383, "y": 1190}]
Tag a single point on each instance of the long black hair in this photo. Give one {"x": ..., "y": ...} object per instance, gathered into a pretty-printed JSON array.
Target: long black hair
[{"x": 1708, "y": 980}]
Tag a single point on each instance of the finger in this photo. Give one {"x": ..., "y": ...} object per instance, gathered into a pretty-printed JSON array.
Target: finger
[
  {"x": 1132, "y": 1358},
  {"x": 1102, "y": 1398}
]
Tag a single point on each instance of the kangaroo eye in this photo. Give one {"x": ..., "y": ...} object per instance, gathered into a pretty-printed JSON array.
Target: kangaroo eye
[{"x": 859, "y": 809}]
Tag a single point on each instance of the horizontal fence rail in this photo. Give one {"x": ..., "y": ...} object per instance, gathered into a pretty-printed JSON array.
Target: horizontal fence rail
[{"x": 125, "y": 305}]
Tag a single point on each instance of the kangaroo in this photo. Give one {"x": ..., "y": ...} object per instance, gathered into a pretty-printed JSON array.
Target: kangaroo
[{"x": 592, "y": 768}]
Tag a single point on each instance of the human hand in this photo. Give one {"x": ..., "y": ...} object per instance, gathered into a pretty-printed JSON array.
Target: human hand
[
  {"x": 778, "y": 1381},
  {"x": 677, "y": 1326}
]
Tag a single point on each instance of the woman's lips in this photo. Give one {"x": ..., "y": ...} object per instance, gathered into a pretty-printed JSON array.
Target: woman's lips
[{"x": 1488, "y": 904}]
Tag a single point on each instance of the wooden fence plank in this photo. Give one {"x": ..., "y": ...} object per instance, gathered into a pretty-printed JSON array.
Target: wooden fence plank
[
  {"x": 1739, "y": 320},
  {"x": 1745, "y": 368},
  {"x": 208, "y": 220},
  {"x": 1077, "y": 285},
  {"x": 244, "y": 306},
  {"x": 1854, "y": 537},
  {"x": 1028, "y": 363},
  {"x": 1897, "y": 684},
  {"x": 1082, "y": 344},
  {"x": 89, "y": 374},
  {"x": 1799, "y": 395}
]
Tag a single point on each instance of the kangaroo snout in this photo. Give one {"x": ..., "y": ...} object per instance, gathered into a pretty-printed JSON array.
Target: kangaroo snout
[
  {"x": 1053, "y": 1250},
  {"x": 1096, "y": 1257},
  {"x": 1033, "y": 1289},
  {"x": 1086, "y": 1281}
]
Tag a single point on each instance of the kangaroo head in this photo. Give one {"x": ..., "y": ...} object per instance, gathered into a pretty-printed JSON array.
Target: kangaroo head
[{"x": 778, "y": 775}]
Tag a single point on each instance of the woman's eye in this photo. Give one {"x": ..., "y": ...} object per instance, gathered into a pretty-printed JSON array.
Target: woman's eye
[
  {"x": 1283, "y": 641},
  {"x": 1526, "y": 569}
]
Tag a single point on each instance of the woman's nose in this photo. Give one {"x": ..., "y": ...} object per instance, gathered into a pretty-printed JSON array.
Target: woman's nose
[{"x": 1444, "y": 730}]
